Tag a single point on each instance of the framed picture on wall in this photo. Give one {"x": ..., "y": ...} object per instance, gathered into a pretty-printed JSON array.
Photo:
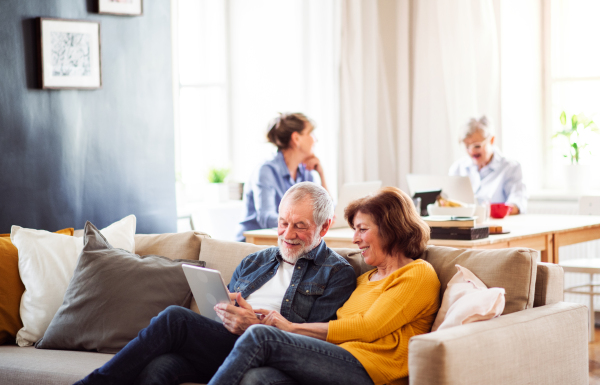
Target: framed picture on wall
[
  {"x": 120, "y": 7},
  {"x": 69, "y": 54}
]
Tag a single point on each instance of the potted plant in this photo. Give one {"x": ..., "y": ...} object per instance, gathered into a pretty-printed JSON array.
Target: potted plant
[
  {"x": 575, "y": 137},
  {"x": 217, "y": 190}
]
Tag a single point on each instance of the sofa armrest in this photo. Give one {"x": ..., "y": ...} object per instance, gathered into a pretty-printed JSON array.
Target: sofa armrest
[
  {"x": 544, "y": 345},
  {"x": 549, "y": 284}
]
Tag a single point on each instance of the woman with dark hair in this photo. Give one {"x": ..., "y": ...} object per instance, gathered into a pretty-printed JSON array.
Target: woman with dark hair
[
  {"x": 293, "y": 163},
  {"x": 368, "y": 342}
]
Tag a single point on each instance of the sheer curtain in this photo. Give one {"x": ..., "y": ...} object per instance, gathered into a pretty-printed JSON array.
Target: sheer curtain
[
  {"x": 412, "y": 72},
  {"x": 284, "y": 57},
  {"x": 367, "y": 130},
  {"x": 456, "y": 76}
]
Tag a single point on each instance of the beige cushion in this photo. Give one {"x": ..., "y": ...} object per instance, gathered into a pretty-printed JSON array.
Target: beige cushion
[
  {"x": 512, "y": 269},
  {"x": 173, "y": 246},
  {"x": 548, "y": 284},
  {"x": 226, "y": 255}
]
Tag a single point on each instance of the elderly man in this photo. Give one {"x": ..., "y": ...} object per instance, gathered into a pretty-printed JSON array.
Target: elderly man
[
  {"x": 302, "y": 279},
  {"x": 495, "y": 179}
]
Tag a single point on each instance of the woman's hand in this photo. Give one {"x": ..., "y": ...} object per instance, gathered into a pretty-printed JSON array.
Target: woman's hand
[
  {"x": 273, "y": 318},
  {"x": 236, "y": 319},
  {"x": 311, "y": 162}
]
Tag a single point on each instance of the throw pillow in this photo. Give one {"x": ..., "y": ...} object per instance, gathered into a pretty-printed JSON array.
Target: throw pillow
[
  {"x": 467, "y": 300},
  {"x": 46, "y": 265},
  {"x": 11, "y": 288},
  {"x": 113, "y": 295}
]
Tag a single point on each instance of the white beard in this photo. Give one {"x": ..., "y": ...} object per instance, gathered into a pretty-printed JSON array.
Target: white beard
[{"x": 293, "y": 256}]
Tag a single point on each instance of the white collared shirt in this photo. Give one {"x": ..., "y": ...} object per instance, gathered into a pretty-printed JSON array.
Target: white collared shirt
[{"x": 500, "y": 181}]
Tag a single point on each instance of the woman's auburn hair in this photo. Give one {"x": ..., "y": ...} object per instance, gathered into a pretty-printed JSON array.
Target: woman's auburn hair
[{"x": 401, "y": 228}]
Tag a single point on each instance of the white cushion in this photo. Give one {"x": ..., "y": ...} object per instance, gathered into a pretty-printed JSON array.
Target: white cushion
[
  {"x": 46, "y": 265},
  {"x": 466, "y": 300}
]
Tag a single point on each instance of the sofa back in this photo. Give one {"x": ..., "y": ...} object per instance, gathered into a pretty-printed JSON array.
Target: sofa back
[
  {"x": 515, "y": 269},
  {"x": 527, "y": 283}
]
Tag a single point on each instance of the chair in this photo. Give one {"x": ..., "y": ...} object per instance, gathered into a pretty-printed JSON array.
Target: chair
[{"x": 588, "y": 205}]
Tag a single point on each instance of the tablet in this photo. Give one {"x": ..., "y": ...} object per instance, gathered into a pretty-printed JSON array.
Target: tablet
[{"x": 208, "y": 288}]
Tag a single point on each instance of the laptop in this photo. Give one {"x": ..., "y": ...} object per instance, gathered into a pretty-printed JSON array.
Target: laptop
[
  {"x": 208, "y": 289},
  {"x": 348, "y": 193},
  {"x": 454, "y": 187}
]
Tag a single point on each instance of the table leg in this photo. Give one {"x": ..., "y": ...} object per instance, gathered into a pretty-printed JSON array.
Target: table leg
[
  {"x": 547, "y": 255},
  {"x": 592, "y": 313}
]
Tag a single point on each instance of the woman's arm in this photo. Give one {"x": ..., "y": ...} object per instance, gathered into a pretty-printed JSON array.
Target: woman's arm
[
  {"x": 265, "y": 197},
  {"x": 316, "y": 330}
]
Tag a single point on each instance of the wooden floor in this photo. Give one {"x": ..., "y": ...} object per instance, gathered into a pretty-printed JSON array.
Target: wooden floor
[{"x": 594, "y": 350}]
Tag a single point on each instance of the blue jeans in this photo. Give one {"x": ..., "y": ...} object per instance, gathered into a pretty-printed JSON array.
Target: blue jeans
[
  {"x": 178, "y": 346},
  {"x": 267, "y": 355}
]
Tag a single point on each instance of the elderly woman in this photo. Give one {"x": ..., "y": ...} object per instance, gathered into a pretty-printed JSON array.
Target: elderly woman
[
  {"x": 293, "y": 163},
  {"x": 495, "y": 179},
  {"x": 368, "y": 343}
]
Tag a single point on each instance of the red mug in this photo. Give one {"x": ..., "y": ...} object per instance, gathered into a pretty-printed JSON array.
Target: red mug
[{"x": 499, "y": 210}]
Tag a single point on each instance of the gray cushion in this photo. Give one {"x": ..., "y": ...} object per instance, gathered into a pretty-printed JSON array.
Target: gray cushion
[{"x": 113, "y": 295}]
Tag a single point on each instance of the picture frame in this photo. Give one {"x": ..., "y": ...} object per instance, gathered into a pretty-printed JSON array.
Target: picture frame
[
  {"x": 121, "y": 7},
  {"x": 69, "y": 54}
]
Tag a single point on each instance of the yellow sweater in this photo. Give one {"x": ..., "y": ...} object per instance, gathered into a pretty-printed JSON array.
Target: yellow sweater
[{"x": 379, "y": 318}]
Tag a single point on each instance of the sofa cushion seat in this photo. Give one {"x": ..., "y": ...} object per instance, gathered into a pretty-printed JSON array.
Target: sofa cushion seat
[{"x": 28, "y": 365}]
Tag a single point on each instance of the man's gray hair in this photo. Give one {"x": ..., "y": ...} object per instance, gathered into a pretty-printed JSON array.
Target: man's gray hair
[
  {"x": 482, "y": 125},
  {"x": 321, "y": 201}
]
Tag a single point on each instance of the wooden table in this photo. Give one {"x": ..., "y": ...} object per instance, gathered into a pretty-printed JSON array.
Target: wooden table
[{"x": 545, "y": 233}]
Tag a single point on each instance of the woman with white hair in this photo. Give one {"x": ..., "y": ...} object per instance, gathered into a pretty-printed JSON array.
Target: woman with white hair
[{"x": 495, "y": 179}]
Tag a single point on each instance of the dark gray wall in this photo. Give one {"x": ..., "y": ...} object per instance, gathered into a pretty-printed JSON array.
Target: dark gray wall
[{"x": 67, "y": 156}]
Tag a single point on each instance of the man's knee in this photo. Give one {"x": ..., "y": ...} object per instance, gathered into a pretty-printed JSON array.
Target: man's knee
[
  {"x": 175, "y": 312},
  {"x": 260, "y": 334}
]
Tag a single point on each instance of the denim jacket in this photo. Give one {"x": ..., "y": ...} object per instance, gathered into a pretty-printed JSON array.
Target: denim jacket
[{"x": 321, "y": 283}]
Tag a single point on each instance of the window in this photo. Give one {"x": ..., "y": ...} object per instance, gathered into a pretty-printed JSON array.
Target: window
[
  {"x": 574, "y": 71},
  {"x": 236, "y": 65},
  {"x": 201, "y": 92}
]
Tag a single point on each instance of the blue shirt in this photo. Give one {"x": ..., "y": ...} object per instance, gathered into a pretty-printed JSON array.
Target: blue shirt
[
  {"x": 263, "y": 193},
  {"x": 322, "y": 281},
  {"x": 500, "y": 181}
]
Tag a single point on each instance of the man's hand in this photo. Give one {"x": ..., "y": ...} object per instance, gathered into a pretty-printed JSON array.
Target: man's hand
[
  {"x": 273, "y": 318},
  {"x": 236, "y": 319}
]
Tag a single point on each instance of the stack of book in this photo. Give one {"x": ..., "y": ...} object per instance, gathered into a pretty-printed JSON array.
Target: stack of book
[{"x": 460, "y": 228}]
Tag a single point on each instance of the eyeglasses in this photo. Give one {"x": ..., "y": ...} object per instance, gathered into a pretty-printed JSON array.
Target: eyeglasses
[{"x": 477, "y": 145}]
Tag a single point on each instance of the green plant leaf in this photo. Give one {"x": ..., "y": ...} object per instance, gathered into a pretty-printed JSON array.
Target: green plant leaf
[
  {"x": 563, "y": 118},
  {"x": 574, "y": 122},
  {"x": 217, "y": 175}
]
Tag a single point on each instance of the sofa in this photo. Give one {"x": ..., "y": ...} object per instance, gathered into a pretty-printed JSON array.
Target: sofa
[{"x": 537, "y": 340}]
